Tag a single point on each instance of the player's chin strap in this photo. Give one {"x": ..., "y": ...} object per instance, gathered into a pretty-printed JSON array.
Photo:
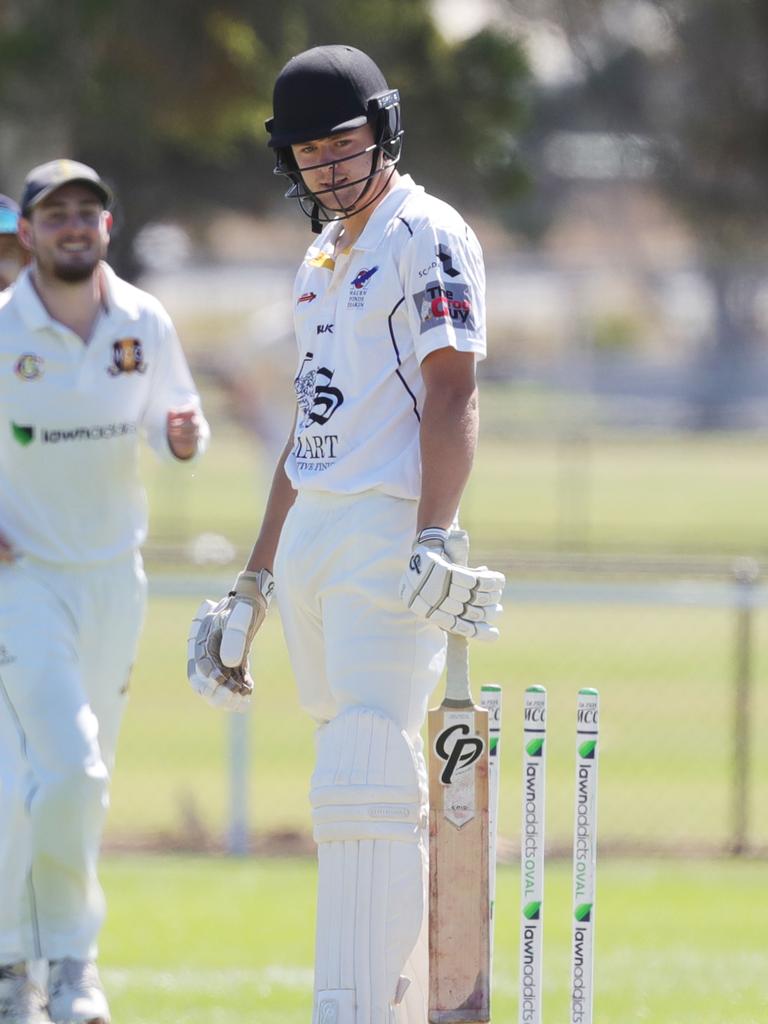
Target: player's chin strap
[
  {"x": 317, "y": 227},
  {"x": 368, "y": 810},
  {"x": 312, "y": 205}
]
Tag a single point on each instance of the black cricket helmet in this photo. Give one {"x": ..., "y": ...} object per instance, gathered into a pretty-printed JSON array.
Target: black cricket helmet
[{"x": 322, "y": 92}]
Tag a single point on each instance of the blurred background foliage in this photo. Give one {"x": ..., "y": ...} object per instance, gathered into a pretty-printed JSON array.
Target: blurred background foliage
[
  {"x": 169, "y": 99},
  {"x": 627, "y": 134},
  {"x": 673, "y": 93}
]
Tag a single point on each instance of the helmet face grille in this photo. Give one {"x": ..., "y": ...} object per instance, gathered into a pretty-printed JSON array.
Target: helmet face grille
[{"x": 326, "y": 205}]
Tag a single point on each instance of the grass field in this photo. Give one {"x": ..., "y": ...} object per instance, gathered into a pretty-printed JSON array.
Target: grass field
[
  {"x": 609, "y": 493},
  {"x": 215, "y": 941}
]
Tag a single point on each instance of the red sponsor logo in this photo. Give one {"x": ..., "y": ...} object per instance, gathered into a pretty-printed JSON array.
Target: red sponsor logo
[
  {"x": 443, "y": 306},
  {"x": 306, "y": 297}
]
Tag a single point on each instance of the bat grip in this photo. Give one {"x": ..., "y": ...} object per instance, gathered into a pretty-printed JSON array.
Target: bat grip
[{"x": 457, "y": 691}]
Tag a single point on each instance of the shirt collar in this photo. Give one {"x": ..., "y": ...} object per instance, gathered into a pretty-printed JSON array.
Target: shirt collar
[
  {"x": 120, "y": 296},
  {"x": 30, "y": 307},
  {"x": 117, "y": 297},
  {"x": 373, "y": 232},
  {"x": 393, "y": 201}
]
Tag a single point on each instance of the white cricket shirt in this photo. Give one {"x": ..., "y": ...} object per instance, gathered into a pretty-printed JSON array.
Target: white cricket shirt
[
  {"x": 365, "y": 319},
  {"x": 71, "y": 416}
]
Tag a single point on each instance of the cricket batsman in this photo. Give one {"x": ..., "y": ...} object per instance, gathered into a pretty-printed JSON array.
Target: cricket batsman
[{"x": 389, "y": 321}]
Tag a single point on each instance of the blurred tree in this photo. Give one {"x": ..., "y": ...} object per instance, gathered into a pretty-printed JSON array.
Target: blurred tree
[
  {"x": 169, "y": 99},
  {"x": 690, "y": 78}
]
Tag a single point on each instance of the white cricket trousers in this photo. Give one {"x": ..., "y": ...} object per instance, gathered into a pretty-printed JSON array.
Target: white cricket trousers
[
  {"x": 350, "y": 638},
  {"x": 352, "y": 643},
  {"x": 68, "y": 638}
]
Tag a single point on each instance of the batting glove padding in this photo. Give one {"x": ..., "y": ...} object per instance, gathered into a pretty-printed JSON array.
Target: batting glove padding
[
  {"x": 220, "y": 640},
  {"x": 457, "y": 598},
  {"x": 245, "y": 610}
]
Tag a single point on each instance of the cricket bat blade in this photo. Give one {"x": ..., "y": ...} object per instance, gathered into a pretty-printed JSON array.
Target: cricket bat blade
[{"x": 459, "y": 920}]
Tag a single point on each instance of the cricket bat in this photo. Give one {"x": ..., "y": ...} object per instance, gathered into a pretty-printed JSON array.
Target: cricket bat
[{"x": 459, "y": 922}]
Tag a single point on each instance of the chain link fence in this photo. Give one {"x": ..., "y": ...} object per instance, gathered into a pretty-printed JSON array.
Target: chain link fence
[
  {"x": 680, "y": 663},
  {"x": 678, "y": 651}
]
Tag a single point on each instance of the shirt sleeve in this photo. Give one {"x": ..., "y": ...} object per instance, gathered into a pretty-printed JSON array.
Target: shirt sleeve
[
  {"x": 171, "y": 387},
  {"x": 444, "y": 284}
]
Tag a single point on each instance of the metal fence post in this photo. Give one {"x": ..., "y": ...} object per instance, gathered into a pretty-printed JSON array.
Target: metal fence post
[
  {"x": 237, "y": 839},
  {"x": 745, "y": 574}
]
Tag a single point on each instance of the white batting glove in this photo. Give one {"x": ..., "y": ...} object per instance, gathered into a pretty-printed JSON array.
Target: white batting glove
[
  {"x": 457, "y": 598},
  {"x": 220, "y": 641},
  {"x": 222, "y": 687}
]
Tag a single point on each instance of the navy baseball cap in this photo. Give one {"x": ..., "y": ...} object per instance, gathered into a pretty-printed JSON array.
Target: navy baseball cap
[
  {"x": 9, "y": 216},
  {"x": 46, "y": 178}
]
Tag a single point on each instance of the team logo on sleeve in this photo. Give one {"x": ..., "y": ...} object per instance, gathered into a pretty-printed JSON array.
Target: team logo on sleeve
[
  {"x": 438, "y": 305},
  {"x": 127, "y": 357},
  {"x": 447, "y": 261},
  {"x": 306, "y": 297},
  {"x": 29, "y": 366},
  {"x": 444, "y": 259}
]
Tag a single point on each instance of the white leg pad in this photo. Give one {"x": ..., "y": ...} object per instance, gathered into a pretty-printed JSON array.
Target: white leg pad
[
  {"x": 368, "y": 808},
  {"x": 413, "y": 1008}
]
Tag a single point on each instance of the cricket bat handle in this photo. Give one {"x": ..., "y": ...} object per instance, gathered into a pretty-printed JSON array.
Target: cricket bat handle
[{"x": 457, "y": 691}]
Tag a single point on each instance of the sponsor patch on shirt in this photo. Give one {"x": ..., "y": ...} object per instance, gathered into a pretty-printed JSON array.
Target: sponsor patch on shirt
[
  {"x": 315, "y": 449},
  {"x": 25, "y": 435},
  {"x": 317, "y": 399},
  {"x": 438, "y": 305}
]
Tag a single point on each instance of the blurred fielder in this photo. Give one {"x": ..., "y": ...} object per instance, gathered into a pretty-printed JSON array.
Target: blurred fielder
[
  {"x": 389, "y": 320},
  {"x": 87, "y": 364},
  {"x": 13, "y": 255}
]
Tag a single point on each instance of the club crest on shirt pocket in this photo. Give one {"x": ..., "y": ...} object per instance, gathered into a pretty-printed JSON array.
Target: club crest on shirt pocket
[
  {"x": 29, "y": 366},
  {"x": 127, "y": 357},
  {"x": 358, "y": 287}
]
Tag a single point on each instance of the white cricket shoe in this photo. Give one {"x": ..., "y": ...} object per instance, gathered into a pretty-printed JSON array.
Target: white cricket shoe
[
  {"x": 21, "y": 1000},
  {"x": 75, "y": 995}
]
